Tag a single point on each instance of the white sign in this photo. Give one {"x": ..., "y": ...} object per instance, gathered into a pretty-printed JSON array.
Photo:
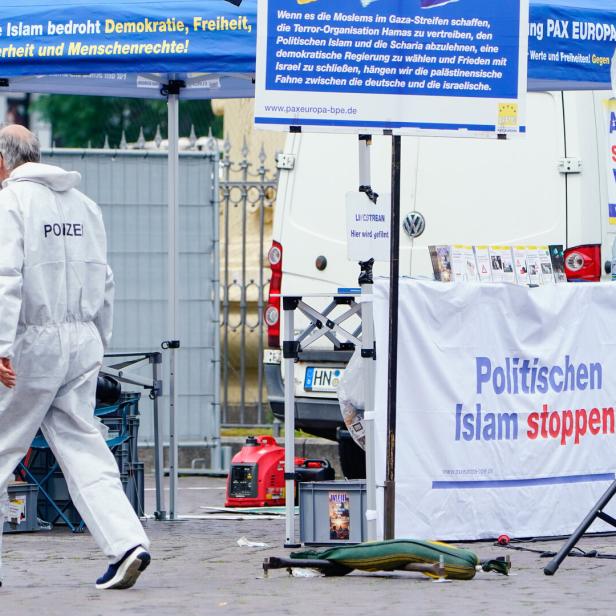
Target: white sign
[
  {"x": 17, "y": 510},
  {"x": 506, "y": 408},
  {"x": 412, "y": 67},
  {"x": 368, "y": 227}
]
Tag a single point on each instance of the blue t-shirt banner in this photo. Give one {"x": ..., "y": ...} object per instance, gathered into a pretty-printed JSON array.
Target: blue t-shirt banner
[{"x": 457, "y": 66}]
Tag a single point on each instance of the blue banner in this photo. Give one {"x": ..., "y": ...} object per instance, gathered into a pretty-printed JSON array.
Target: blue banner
[
  {"x": 571, "y": 44},
  {"x": 467, "y": 48},
  {"x": 414, "y": 67},
  {"x": 41, "y": 37}
]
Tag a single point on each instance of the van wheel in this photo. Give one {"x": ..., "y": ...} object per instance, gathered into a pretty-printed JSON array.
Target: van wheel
[{"x": 352, "y": 456}]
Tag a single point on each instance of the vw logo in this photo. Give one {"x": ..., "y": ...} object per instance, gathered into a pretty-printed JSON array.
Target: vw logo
[{"x": 414, "y": 224}]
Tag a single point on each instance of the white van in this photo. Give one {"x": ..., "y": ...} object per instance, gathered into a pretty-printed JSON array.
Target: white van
[{"x": 548, "y": 187}]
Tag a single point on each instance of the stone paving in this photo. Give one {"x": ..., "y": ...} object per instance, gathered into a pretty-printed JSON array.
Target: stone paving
[{"x": 198, "y": 568}]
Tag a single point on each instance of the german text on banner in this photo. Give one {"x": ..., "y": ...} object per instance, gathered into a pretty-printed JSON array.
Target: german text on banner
[
  {"x": 413, "y": 67},
  {"x": 45, "y": 37},
  {"x": 506, "y": 407}
]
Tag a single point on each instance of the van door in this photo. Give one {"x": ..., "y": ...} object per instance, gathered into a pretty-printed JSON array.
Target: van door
[{"x": 493, "y": 191}]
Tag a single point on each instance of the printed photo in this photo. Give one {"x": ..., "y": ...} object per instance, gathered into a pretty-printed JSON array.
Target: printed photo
[
  {"x": 339, "y": 518},
  {"x": 546, "y": 269},
  {"x": 558, "y": 262},
  {"x": 443, "y": 258}
]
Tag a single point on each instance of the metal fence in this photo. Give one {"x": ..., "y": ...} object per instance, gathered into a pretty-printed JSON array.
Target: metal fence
[
  {"x": 247, "y": 196},
  {"x": 223, "y": 246},
  {"x": 131, "y": 188}
]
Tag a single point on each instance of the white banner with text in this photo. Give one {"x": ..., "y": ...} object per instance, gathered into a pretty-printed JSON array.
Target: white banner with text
[{"x": 505, "y": 407}]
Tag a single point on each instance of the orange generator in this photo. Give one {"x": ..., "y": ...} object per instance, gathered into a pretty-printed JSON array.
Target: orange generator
[{"x": 256, "y": 477}]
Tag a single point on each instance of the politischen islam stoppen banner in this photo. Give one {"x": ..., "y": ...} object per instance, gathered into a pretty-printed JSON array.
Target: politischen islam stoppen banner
[
  {"x": 456, "y": 66},
  {"x": 506, "y": 416}
]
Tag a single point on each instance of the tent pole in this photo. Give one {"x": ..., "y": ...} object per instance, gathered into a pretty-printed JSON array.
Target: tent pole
[
  {"x": 392, "y": 372},
  {"x": 159, "y": 472},
  {"x": 289, "y": 421},
  {"x": 173, "y": 105},
  {"x": 217, "y": 462},
  {"x": 367, "y": 353}
]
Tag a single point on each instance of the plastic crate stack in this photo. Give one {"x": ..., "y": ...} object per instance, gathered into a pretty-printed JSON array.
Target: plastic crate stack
[
  {"x": 40, "y": 463},
  {"x": 125, "y": 420},
  {"x": 122, "y": 422}
]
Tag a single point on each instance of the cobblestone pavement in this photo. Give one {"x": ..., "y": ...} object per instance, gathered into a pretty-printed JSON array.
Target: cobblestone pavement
[{"x": 198, "y": 568}]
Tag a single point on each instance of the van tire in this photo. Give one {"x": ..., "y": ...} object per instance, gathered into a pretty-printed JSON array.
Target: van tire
[{"x": 352, "y": 456}]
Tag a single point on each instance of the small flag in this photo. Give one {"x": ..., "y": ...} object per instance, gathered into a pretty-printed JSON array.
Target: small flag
[{"x": 429, "y": 4}]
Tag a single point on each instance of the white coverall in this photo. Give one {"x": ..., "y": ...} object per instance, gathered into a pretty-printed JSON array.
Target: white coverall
[{"x": 56, "y": 295}]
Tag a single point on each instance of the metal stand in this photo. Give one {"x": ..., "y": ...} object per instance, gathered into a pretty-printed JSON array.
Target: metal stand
[
  {"x": 121, "y": 370},
  {"x": 368, "y": 352},
  {"x": 290, "y": 355},
  {"x": 595, "y": 512},
  {"x": 322, "y": 323},
  {"x": 392, "y": 371}
]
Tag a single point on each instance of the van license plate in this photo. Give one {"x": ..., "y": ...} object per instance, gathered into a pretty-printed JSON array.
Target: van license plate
[{"x": 322, "y": 379}]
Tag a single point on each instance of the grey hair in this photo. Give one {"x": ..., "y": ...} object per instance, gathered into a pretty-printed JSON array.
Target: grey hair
[{"x": 17, "y": 150}]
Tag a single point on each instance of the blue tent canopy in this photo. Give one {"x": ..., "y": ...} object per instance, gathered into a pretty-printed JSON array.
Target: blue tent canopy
[
  {"x": 131, "y": 48},
  {"x": 128, "y": 48},
  {"x": 571, "y": 44}
]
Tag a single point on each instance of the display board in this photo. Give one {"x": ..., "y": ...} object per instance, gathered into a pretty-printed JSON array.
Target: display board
[
  {"x": 506, "y": 407},
  {"x": 409, "y": 67}
]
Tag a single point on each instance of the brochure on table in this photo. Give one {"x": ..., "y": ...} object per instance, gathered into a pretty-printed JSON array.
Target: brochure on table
[
  {"x": 525, "y": 265},
  {"x": 506, "y": 408}
]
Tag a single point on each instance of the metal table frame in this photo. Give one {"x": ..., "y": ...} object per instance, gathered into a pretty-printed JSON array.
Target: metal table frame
[
  {"x": 120, "y": 367},
  {"x": 322, "y": 326}
]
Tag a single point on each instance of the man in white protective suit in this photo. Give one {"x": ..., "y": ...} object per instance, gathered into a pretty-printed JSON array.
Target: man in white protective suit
[{"x": 56, "y": 295}]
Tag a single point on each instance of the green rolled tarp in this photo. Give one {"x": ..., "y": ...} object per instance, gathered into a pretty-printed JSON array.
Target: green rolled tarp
[{"x": 398, "y": 554}]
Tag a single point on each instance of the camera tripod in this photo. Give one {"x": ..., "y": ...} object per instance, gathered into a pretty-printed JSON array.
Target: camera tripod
[{"x": 595, "y": 512}]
